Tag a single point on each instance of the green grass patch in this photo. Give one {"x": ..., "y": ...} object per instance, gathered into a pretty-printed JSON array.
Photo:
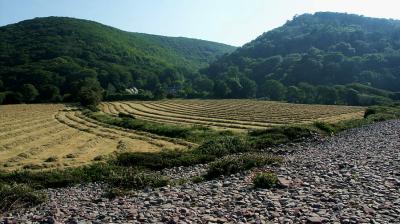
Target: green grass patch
[
  {"x": 14, "y": 196},
  {"x": 234, "y": 164},
  {"x": 265, "y": 180}
]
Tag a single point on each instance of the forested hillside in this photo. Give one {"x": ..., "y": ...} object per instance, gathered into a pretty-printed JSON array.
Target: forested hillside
[
  {"x": 330, "y": 58},
  {"x": 327, "y": 58},
  {"x": 59, "y": 59}
]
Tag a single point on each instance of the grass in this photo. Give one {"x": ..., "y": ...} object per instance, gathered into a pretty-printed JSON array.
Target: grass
[
  {"x": 14, "y": 196},
  {"x": 265, "y": 180},
  {"x": 235, "y": 164}
]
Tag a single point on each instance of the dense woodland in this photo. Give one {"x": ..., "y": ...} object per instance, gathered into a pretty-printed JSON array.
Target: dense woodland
[
  {"x": 327, "y": 58},
  {"x": 62, "y": 59}
]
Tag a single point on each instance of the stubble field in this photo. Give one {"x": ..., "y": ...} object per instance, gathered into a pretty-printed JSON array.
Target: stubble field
[
  {"x": 55, "y": 135},
  {"x": 239, "y": 115}
]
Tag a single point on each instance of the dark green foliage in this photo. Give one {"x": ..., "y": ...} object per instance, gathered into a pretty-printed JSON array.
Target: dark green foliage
[
  {"x": 369, "y": 111},
  {"x": 129, "y": 178},
  {"x": 265, "y": 180},
  {"x": 223, "y": 146},
  {"x": 336, "y": 54},
  {"x": 197, "y": 179},
  {"x": 208, "y": 151},
  {"x": 160, "y": 160},
  {"x": 51, "y": 159},
  {"x": 29, "y": 92},
  {"x": 90, "y": 92},
  {"x": 14, "y": 196},
  {"x": 328, "y": 128},
  {"x": 273, "y": 90},
  {"x": 55, "y": 54},
  {"x": 237, "y": 163},
  {"x": 116, "y": 176},
  {"x": 124, "y": 115},
  {"x": 2, "y": 97},
  {"x": 264, "y": 138}
]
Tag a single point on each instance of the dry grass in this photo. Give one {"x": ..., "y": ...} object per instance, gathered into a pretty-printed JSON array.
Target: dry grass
[
  {"x": 237, "y": 115},
  {"x": 31, "y": 134}
]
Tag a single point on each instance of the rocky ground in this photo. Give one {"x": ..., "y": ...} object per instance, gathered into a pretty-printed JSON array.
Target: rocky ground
[{"x": 350, "y": 178}]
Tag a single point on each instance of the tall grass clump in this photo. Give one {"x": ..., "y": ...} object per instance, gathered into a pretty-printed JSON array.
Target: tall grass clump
[
  {"x": 14, "y": 196},
  {"x": 237, "y": 163},
  {"x": 263, "y": 138},
  {"x": 265, "y": 180}
]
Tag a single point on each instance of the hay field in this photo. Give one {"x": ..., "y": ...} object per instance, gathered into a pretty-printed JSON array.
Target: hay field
[
  {"x": 54, "y": 135},
  {"x": 239, "y": 115}
]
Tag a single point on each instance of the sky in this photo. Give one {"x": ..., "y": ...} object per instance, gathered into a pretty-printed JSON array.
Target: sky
[{"x": 233, "y": 22}]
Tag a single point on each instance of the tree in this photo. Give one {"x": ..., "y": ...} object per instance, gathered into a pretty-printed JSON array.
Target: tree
[
  {"x": 12, "y": 97},
  {"x": 2, "y": 97},
  {"x": 249, "y": 88},
  {"x": 29, "y": 92},
  {"x": 294, "y": 94},
  {"x": 160, "y": 92},
  {"x": 50, "y": 93},
  {"x": 90, "y": 92},
  {"x": 221, "y": 89},
  {"x": 274, "y": 90},
  {"x": 202, "y": 83},
  {"x": 326, "y": 95},
  {"x": 308, "y": 91},
  {"x": 351, "y": 97}
]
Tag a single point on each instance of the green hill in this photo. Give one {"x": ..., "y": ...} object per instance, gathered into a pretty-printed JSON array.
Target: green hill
[
  {"x": 316, "y": 58},
  {"x": 54, "y": 54}
]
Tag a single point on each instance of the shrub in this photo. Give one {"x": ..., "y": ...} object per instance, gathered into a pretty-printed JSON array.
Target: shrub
[
  {"x": 98, "y": 158},
  {"x": 223, "y": 146},
  {"x": 197, "y": 179},
  {"x": 15, "y": 196},
  {"x": 134, "y": 179},
  {"x": 59, "y": 177},
  {"x": 263, "y": 138},
  {"x": 124, "y": 115},
  {"x": 160, "y": 160},
  {"x": 369, "y": 111},
  {"x": 328, "y": 128},
  {"x": 265, "y": 180},
  {"x": 234, "y": 164},
  {"x": 51, "y": 159}
]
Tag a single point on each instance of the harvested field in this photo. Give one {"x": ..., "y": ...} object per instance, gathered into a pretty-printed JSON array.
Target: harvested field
[
  {"x": 232, "y": 114},
  {"x": 53, "y": 135}
]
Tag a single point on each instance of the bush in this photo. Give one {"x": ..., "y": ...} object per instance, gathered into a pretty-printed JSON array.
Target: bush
[
  {"x": 265, "y": 180},
  {"x": 134, "y": 179},
  {"x": 197, "y": 179},
  {"x": 2, "y": 97},
  {"x": 51, "y": 159},
  {"x": 234, "y": 164},
  {"x": 263, "y": 138},
  {"x": 14, "y": 196},
  {"x": 328, "y": 128},
  {"x": 223, "y": 146},
  {"x": 59, "y": 177},
  {"x": 369, "y": 111},
  {"x": 124, "y": 115},
  {"x": 160, "y": 160}
]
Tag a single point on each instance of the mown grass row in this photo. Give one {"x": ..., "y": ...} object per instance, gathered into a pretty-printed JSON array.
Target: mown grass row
[{"x": 136, "y": 170}]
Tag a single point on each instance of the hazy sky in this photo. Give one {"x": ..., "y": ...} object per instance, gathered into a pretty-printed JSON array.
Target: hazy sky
[{"x": 233, "y": 22}]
